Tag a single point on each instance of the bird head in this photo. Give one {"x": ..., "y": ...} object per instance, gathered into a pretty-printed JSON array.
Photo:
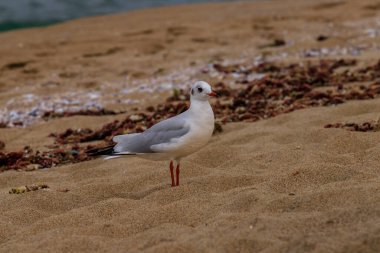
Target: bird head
[{"x": 201, "y": 91}]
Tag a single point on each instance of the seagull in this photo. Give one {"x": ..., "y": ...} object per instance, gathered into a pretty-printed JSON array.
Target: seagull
[{"x": 171, "y": 139}]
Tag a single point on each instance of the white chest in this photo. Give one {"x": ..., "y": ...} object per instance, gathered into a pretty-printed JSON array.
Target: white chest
[{"x": 201, "y": 125}]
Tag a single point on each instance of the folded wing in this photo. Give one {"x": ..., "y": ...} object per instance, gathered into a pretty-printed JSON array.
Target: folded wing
[{"x": 165, "y": 132}]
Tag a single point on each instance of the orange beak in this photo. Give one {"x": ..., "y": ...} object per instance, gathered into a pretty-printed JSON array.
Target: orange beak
[{"x": 213, "y": 94}]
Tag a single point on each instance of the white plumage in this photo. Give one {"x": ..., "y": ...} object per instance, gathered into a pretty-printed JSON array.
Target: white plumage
[{"x": 176, "y": 137}]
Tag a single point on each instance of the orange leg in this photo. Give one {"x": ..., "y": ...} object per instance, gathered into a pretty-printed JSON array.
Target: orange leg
[
  {"x": 172, "y": 173},
  {"x": 177, "y": 174}
]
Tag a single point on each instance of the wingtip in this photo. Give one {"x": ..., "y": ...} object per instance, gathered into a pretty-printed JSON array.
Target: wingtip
[{"x": 100, "y": 151}]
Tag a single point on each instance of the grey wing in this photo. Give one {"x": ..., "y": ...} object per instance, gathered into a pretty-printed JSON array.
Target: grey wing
[{"x": 162, "y": 132}]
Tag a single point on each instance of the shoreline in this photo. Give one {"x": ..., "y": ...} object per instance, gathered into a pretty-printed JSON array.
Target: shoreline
[{"x": 36, "y": 22}]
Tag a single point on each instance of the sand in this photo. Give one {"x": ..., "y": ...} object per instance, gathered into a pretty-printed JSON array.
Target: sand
[{"x": 285, "y": 184}]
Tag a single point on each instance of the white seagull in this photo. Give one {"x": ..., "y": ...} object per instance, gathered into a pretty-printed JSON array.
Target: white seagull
[{"x": 173, "y": 138}]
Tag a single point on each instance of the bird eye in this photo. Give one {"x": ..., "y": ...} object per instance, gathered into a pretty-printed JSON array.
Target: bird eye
[{"x": 200, "y": 89}]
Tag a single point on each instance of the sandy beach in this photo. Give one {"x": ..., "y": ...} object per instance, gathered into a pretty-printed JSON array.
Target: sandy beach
[{"x": 278, "y": 179}]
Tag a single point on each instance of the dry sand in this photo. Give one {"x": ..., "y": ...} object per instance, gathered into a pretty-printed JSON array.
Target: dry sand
[{"x": 284, "y": 184}]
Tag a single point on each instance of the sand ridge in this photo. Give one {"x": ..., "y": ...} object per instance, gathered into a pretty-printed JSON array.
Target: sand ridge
[{"x": 285, "y": 182}]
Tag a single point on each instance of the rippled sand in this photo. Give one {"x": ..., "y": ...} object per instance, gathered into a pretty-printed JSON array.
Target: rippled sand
[{"x": 286, "y": 184}]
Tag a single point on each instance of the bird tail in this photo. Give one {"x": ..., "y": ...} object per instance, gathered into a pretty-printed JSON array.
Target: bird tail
[
  {"x": 108, "y": 151},
  {"x": 101, "y": 151}
]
